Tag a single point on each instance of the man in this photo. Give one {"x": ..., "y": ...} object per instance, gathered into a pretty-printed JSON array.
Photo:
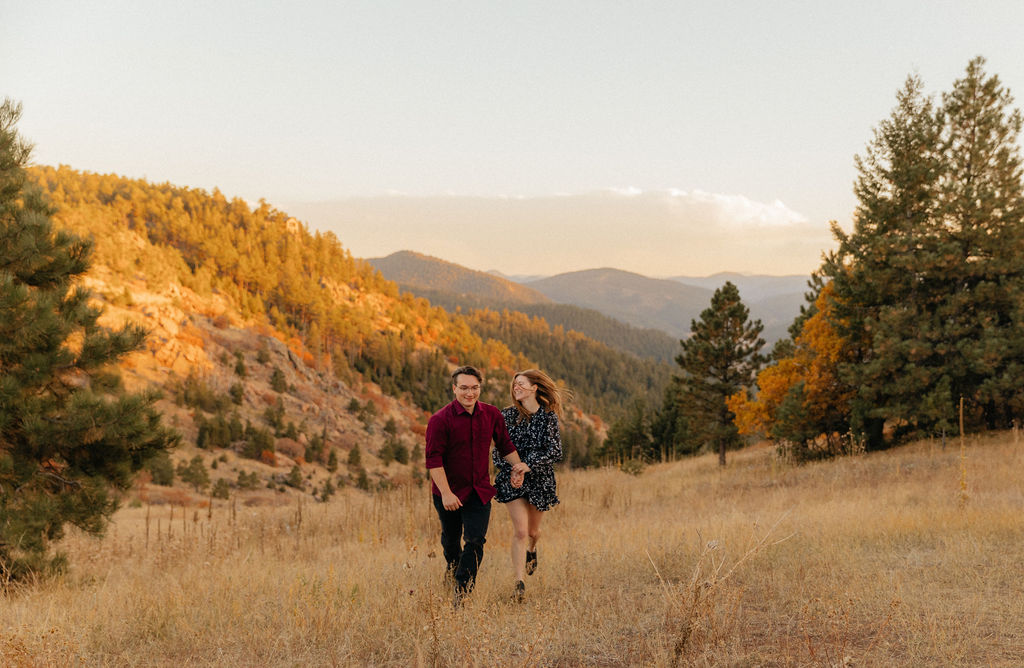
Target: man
[{"x": 458, "y": 453}]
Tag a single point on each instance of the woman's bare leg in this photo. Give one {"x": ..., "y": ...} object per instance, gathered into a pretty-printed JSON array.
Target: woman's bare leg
[{"x": 518, "y": 511}]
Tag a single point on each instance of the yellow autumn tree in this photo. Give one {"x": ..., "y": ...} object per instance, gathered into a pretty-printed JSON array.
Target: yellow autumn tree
[{"x": 801, "y": 400}]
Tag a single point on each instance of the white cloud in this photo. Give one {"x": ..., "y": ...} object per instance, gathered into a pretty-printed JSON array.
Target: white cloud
[{"x": 731, "y": 210}]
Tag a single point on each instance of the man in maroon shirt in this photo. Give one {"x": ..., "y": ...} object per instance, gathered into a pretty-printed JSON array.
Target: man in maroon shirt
[{"x": 458, "y": 455}]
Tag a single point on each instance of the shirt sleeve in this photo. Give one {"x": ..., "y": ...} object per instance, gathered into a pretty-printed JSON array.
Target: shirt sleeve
[
  {"x": 436, "y": 430},
  {"x": 502, "y": 442},
  {"x": 551, "y": 443}
]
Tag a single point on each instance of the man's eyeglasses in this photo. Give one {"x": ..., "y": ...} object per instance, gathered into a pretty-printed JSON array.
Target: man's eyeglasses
[{"x": 467, "y": 388}]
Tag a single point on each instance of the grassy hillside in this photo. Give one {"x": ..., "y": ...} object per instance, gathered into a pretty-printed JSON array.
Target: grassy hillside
[{"x": 873, "y": 560}]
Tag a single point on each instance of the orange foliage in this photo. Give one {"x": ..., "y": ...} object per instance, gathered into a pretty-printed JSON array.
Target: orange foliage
[
  {"x": 819, "y": 350},
  {"x": 268, "y": 457}
]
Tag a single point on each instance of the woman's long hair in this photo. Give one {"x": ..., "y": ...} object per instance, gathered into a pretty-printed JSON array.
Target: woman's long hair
[{"x": 549, "y": 395}]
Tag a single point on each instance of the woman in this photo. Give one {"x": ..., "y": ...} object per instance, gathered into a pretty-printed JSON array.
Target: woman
[{"x": 532, "y": 422}]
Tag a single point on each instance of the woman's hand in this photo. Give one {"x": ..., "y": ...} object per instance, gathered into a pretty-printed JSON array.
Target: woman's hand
[{"x": 519, "y": 472}]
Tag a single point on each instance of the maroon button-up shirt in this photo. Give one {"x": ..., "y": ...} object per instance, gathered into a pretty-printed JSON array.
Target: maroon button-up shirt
[{"x": 460, "y": 442}]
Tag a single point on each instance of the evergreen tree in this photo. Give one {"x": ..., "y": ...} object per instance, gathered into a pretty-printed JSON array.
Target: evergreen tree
[
  {"x": 277, "y": 380},
  {"x": 629, "y": 437},
  {"x": 194, "y": 473},
  {"x": 295, "y": 478},
  {"x": 928, "y": 287},
  {"x": 982, "y": 213},
  {"x": 718, "y": 360},
  {"x": 669, "y": 426},
  {"x": 221, "y": 489},
  {"x": 70, "y": 437},
  {"x": 878, "y": 269},
  {"x": 161, "y": 468}
]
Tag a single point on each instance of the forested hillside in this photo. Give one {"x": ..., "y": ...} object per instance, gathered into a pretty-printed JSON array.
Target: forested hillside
[{"x": 344, "y": 319}]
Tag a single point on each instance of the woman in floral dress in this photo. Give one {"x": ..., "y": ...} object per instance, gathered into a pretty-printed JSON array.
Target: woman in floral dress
[{"x": 532, "y": 422}]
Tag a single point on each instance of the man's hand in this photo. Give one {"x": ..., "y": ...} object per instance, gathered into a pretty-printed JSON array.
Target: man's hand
[
  {"x": 522, "y": 468},
  {"x": 450, "y": 501}
]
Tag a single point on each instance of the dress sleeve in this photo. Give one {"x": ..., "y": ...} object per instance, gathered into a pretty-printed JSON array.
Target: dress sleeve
[
  {"x": 503, "y": 445},
  {"x": 550, "y": 450}
]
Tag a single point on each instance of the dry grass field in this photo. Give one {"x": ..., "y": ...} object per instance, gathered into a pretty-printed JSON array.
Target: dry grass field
[{"x": 874, "y": 560}]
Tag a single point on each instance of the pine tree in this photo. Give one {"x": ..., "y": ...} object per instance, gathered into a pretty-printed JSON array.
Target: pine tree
[
  {"x": 194, "y": 473},
  {"x": 669, "y": 426},
  {"x": 877, "y": 270},
  {"x": 70, "y": 437},
  {"x": 629, "y": 437},
  {"x": 928, "y": 287},
  {"x": 718, "y": 360},
  {"x": 982, "y": 211}
]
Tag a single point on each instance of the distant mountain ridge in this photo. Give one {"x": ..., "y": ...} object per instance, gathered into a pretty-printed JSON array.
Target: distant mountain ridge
[
  {"x": 661, "y": 308},
  {"x": 753, "y": 287},
  {"x": 672, "y": 304},
  {"x": 423, "y": 271},
  {"x": 454, "y": 287},
  {"x": 633, "y": 298}
]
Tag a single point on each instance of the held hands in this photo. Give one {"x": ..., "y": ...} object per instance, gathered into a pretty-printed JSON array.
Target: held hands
[{"x": 519, "y": 472}]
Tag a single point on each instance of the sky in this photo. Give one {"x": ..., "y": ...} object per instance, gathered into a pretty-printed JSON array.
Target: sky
[{"x": 529, "y": 137}]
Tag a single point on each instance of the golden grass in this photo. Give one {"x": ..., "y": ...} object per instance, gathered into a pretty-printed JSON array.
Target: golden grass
[{"x": 868, "y": 561}]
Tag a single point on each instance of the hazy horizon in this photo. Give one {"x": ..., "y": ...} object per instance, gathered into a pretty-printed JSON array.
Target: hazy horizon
[{"x": 549, "y": 235}]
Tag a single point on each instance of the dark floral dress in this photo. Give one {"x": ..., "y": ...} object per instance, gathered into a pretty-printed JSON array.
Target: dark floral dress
[{"x": 539, "y": 444}]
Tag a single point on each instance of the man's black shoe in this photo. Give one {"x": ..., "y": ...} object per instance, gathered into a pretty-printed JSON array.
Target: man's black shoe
[{"x": 520, "y": 595}]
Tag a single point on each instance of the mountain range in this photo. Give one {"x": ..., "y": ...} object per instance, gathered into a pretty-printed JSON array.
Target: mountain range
[{"x": 655, "y": 306}]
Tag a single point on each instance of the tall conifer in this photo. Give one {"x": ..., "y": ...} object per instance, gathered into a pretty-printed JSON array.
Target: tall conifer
[
  {"x": 929, "y": 285},
  {"x": 719, "y": 359},
  {"x": 70, "y": 437},
  {"x": 880, "y": 270}
]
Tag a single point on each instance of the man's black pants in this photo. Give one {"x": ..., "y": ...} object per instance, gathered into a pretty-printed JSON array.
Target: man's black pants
[{"x": 469, "y": 522}]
